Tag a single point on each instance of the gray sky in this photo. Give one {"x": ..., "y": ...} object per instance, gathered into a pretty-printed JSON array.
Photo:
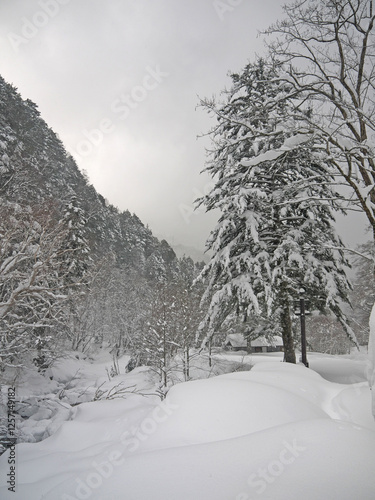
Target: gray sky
[{"x": 119, "y": 80}]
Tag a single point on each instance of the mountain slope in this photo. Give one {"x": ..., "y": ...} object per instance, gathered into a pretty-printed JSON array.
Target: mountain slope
[{"x": 35, "y": 168}]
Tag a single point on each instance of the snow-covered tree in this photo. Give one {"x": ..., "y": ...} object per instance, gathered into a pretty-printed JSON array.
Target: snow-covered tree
[
  {"x": 325, "y": 52},
  {"x": 127, "y": 303},
  {"x": 156, "y": 343},
  {"x": 275, "y": 234},
  {"x": 325, "y": 334},
  {"x": 76, "y": 267},
  {"x": 188, "y": 315},
  {"x": 32, "y": 294},
  {"x": 77, "y": 259},
  {"x": 167, "y": 327}
]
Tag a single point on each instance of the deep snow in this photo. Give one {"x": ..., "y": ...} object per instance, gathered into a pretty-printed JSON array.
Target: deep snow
[{"x": 278, "y": 431}]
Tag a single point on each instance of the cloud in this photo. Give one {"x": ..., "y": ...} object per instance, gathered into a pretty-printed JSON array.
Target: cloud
[{"x": 92, "y": 52}]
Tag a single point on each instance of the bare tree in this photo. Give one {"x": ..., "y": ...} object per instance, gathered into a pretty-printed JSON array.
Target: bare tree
[
  {"x": 326, "y": 51},
  {"x": 32, "y": 294},
  {"x": 363, "y": 295}
]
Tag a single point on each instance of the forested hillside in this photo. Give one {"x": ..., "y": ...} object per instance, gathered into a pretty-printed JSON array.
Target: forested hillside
[
  {"x": 74, "y": 270},
  {"x": 36, "y": 169}
]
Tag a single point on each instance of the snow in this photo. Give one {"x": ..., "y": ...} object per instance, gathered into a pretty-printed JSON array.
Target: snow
[
  {"x": 278, "y": 431},
  {"x": 237, "y": 340},
  {"x": 289, "y": 144},
  {"x": 274, "y": 341},
  {"x": 45, "y": 402}
]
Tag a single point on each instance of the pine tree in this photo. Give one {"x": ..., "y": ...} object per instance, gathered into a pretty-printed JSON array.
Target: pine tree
[
  {"x": 275, "y": 234},
  {"x": 75, "y": 270},
  {"x": 77, "y": 259}
]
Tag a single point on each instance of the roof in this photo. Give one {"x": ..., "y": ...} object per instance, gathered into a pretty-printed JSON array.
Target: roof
[
  {"x": 238, "y": 340},
  {"x": 262, "y": 341}
]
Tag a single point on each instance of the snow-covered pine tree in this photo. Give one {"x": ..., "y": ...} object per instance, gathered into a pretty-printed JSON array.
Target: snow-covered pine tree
[
  {"x": 74, "y": 269},
  {"x": 77, "y": 257},
  {"x": 275, "y": 234}
]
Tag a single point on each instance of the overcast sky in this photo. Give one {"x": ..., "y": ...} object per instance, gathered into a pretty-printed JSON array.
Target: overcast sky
[{"x": 119, "y": 81}]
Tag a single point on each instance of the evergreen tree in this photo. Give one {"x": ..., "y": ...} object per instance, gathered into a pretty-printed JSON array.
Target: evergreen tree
[
  {"x": 75, "y": 270},
  {"x": 275, "y": 234},
  {"x": 77, "y": 257}
]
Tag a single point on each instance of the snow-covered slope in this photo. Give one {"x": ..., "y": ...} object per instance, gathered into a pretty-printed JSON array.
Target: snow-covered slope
[{"x": 279, "y": 431}]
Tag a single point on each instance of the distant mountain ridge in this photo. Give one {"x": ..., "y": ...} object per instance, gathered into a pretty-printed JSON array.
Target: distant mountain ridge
[{"x": 192, "y": 252}]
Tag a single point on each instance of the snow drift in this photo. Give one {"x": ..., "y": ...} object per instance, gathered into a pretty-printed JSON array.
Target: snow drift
[{"x": 279, "y": 431}]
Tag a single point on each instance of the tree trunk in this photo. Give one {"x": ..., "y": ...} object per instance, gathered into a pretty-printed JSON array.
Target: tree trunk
[
  {"x": 371, "y": 354},
  {"x": 210, "y": 352},
  {"x": 164, "y": 368},
  {"x": 286, "y": 327},
  {"x": 187, "y": 363}
]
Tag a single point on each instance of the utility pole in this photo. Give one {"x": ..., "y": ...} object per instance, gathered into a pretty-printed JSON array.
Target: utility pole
[{"x": 303, "y": 326}]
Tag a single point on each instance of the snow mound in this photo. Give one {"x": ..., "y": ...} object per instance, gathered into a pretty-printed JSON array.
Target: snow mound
[
  {"x": 279, "y": 431},
  {"x": 339, "y": 369},
  {"x": 307, "y": 459},
  {"x": 226, "y": 407}
]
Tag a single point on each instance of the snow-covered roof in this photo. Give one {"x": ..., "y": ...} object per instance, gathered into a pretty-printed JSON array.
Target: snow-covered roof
[
  {"x": 262, "y": 341},
  {"x": 238, "y": 340}
]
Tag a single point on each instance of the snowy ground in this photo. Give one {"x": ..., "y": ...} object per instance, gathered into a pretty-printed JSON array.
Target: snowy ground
[{"x": 278, "y": 431}]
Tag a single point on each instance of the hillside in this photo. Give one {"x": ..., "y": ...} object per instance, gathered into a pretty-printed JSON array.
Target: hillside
[{"x": 35, "y": 168}]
